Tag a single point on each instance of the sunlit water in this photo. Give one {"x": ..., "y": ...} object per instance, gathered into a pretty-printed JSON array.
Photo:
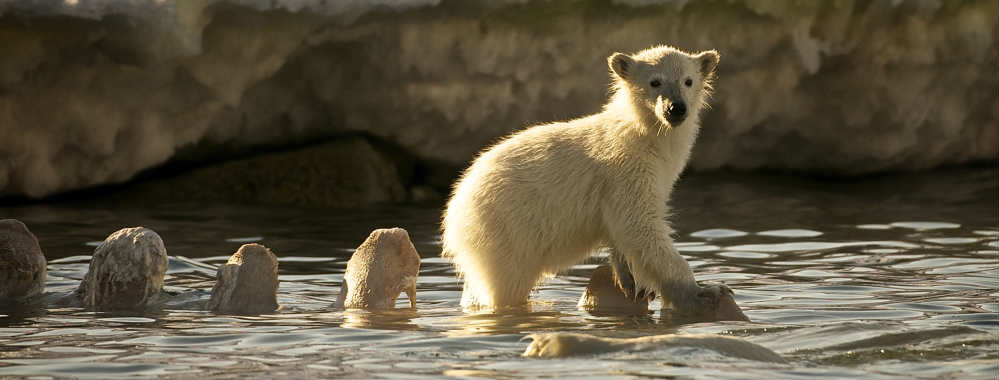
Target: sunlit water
[{"x": 883, "y": 278}]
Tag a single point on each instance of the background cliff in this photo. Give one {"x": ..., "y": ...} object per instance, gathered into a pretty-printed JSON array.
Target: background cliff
[{"x": 94, "y": 92}]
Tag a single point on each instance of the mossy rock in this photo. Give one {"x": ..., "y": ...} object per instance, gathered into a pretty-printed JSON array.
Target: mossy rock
[{"x": 343, "y": 173}]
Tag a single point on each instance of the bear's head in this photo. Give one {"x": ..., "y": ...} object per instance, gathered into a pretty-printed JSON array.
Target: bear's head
[{"x": 664, "y": 82}]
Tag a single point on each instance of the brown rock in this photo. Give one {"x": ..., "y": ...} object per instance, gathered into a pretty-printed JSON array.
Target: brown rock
[
  {"x": 727, "y": 309},
  {"x": 247, "y": 283},
  {"x": 22, "y": 263},
  {"x": 603, "y": 296},
  {"x": 713, "y": 302},
  {"x": 349, "y": 172},
  {"x": 126, "y": 271},
  {"x": 383, "y": 266}
]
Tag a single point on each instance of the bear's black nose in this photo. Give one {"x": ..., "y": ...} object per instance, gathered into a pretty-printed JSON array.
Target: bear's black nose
[{"x": 676, "y": 112}]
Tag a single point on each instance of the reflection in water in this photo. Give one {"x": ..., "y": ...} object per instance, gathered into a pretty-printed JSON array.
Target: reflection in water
[
  {"x": 509, "y": 322},
  {"x": 871, "y": 279},
  {"x": 394, "y": 319}
]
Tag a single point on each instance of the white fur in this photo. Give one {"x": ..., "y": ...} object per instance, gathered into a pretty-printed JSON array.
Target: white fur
[{"x": 547, "y": 197}]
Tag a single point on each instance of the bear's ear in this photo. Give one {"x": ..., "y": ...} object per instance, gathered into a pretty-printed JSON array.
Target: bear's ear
[
  {"x": 707, "y": 62},
  {"x": 620, "y": 64}
]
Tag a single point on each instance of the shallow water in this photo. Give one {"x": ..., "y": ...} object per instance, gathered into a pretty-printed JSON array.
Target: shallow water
[{"x": 895, "y": 277}]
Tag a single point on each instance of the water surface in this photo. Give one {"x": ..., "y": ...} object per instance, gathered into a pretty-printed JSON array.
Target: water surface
[{"x": 895, "y": 277}]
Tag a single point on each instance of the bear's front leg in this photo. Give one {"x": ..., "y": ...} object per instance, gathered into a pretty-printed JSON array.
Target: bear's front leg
[
  {"x": 638, "y": 232},
  {"x": 640, "y": 238},
  {"x": 645, "y": 260},
  {"x": 624, "y": 280}
]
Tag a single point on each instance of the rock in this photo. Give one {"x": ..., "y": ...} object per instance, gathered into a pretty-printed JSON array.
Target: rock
[
  {"x": 247, "y": 283},
  {"x": 851, "y": 87},
  {"x": 727, "y": 309},
  {"x": 344, "y": 173},
  {"x": 383, "y": 266},
  {"x": 126, "y": 271},
  {"x": 22, "y": 263},
  {"x": 603, "y": 296},
  {"x": 570, "y": 344},
  {"x": 719, "y": 305}
]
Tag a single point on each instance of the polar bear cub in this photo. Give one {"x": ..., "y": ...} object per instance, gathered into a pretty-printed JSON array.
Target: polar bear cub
[{"x": 549, "y": 196}]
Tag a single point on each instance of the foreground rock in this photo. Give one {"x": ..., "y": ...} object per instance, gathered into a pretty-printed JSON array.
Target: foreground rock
[
  {"x": 247, "y": 283},
  {"x": 727, "y": 309},
  {"x": 22, "y": 263},
  {"x": 602, "y": 295},
  {"x": 569, "y": 344},
  {"x": 383, "y": 266},
  {"x": 126, "y": 271}
]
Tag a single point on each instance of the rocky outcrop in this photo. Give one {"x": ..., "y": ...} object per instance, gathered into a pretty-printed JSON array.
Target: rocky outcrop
[
  {"x": 247, "y": 283},
  {"x": 22, "y": 263},
  {"x": 93, "y": 92}
]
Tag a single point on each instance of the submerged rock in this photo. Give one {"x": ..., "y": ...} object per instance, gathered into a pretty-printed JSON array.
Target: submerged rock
[
  {"x": 570, "y": 344},
  {"x": 383, "y": 266},
  {"x": 247, "y": 283},
  {"x": 717, "y": 304},
  {"x": 726, "y": 309},
  {"x": 22, "y": 263},
  {"x": 126, "y": 271},
  {"x": 602, "y": 295}
]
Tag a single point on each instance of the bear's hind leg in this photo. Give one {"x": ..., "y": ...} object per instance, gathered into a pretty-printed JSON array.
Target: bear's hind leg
[
  {"x": 641, "y": 238},
  {"x": 493, "y": 280}
]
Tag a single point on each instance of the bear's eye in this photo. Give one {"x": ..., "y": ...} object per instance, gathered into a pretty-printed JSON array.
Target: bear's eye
[
  {"x": 688, "y": 82},
  {"x": 655, "y": 83}
]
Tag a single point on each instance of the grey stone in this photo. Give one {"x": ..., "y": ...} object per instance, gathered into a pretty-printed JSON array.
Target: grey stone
[
  {"x": 126, "y": 271},
  {"x": 382, "y": 266},
  {"x": 22, "y": 263},
  {"x": 247, "y": 283}
]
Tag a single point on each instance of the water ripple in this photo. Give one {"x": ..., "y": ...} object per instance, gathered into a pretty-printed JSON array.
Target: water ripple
[
  {"x": 791, "y": 233},
  {"x": 872, "y": 299},
  {"x": 717, "y": 233}
]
